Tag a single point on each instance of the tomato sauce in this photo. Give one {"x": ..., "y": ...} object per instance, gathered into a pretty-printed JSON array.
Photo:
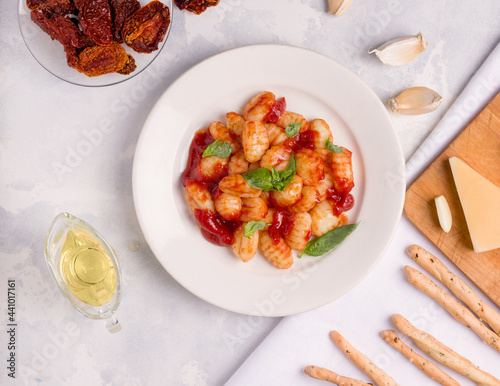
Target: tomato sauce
[
  {"x": 302, "y": 140},
  {"x": 281, "y": 226},
  {"x": 276, "y": 110},
  {"x": 343, "y": 201},
  {"x": 200, "y": 142},
  {"x": 214, "y": 228}
]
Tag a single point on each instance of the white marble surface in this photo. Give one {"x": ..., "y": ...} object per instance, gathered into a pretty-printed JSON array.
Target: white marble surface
[{"x": 169, "y": 336}]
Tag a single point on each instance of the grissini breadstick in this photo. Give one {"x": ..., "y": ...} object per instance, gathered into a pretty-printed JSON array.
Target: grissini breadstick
[
  {"x": 456, "y": 285},
  {"x": 443, "y": 354},
  {"x": 362, "y": 361},
  {"x": 423, "y": 364},
  {"x": 454, "y": 308},
  {"x": 327, "y": 375}
]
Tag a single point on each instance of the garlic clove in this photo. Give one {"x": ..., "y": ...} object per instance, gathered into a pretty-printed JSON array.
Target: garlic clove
[
  {"x": 338, "y": 7},
  {"x": 401, "y": 51},
  {"x": 444, "y": 213},
  {"x": 415, "y": 101}
]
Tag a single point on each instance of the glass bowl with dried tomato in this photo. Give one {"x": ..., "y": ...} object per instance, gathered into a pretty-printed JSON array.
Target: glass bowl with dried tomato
[{"x": 95, "y": 42}]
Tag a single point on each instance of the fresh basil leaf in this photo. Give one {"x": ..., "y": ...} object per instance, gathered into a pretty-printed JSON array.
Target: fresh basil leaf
[
  {"x": 254, "y": 226},
  {"x": 328, "y": 241},
  {"x": 218, "y": 148},
  {"x": 283, "y": 178},
  {"x": 292, "y": 164},
  {"x": 330, "y": 146},
  {"x": 259, "y": 179},
  {"x": 265, "y": 179},
  {"x": 292, "y": 129}
]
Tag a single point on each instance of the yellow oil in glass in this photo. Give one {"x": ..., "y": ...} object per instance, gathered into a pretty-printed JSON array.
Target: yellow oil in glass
[{"x": 86, "y": 268}]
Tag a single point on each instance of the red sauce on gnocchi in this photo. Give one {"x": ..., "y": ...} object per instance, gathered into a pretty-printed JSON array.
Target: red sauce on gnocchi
[
  {"x": 343, "y": 201},
  {"x": 231, "y": 208},
  {"x": 281, "y": 226},
  {"x": 215, "y": 230},
  {"x": 275, "y": 111},
  {"x": 200, "y": 142}
]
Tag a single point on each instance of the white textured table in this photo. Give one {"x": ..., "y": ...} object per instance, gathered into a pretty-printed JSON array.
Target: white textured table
[{"x": 169, "y": 336}]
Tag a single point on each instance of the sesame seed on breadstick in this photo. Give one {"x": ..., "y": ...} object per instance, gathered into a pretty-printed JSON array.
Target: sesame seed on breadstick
[
  {"x": 452, "y": 306},
  {"x": 443, "y": 354},
  {"x": 332, "y": 377},
  {"x": 423, "y": 364},
  {"x": 362, "y": 361},
  {"x": 456, "y": 285}
]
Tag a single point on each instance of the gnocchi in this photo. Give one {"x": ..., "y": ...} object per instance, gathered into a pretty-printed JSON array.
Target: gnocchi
[
  {"x": 238, "y": 164},
  {"x": 228, "y": 206},
  {"x": 255, "y": 140},
  {"x": 279, "y": 255},
  {"x": 252, "y": 209},
  {"x": 277, "y": 135},
  {"x": 243, "y": 247},
  {"x": 277, "y": 157},
  {"x": 324, "y": 219},
  {"x": 322, "y": 133},
  {"x": 276, "y": 189},
  {"x": 310, "y": 166}
]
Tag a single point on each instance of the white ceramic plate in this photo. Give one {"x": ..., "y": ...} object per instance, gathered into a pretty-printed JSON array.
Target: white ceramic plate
[{"x": 314, "y": 86}]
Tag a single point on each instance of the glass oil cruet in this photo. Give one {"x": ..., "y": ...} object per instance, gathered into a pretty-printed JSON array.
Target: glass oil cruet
[{"x": 85, "y": 268}]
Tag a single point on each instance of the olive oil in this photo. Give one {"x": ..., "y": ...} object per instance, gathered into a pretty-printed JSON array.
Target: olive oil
[{"x": 86, "y": 268}]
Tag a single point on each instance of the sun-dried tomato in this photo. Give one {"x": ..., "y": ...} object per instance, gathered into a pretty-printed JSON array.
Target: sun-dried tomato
[
  {"x": 146, "y": 28},
  {"x": 120, "y": 10},
  {"x": 49, "y": 7},
  {"x": 99, "y": 60},
  {"x": 95, "y": 20},
  {"x": 71, "y": 56},
  {"x": 196, "y": 6},
  {"x": 72, "y": 52},
  {"x": 59, "y": 28},
  {"x": 129, "y": 67}
]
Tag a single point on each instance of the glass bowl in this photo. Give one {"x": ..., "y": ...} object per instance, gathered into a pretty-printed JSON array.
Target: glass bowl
[{"x": 51, "y": 56}]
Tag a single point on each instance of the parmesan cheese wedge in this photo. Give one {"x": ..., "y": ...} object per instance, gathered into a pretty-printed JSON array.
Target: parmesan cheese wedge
[{"x": 480, "y": 200}]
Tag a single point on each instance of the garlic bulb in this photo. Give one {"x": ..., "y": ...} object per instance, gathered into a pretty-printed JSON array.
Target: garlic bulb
[
  {"x": 415, "y": 100},
  {"x": 397, "y": 52},
  {"x": 338, "y": 7},
  {"x": 444, "y": 213}
]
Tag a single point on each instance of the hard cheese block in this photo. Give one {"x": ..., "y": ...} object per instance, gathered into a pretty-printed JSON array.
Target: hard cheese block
[{"x": 480, "y": 200}]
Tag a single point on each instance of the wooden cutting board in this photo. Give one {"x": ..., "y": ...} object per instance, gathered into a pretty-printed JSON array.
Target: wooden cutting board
[{"x": 479, "y": 146}]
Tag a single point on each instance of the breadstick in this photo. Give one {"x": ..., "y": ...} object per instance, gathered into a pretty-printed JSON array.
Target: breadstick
[
  {"x": 362, "y": 361},
  {"x": 454, "y": 308},
  {"x": 443, "y": 354},
  {"x": 327, "y": 375},
  {"x": 456, "y": 285},
  {"x": 423, "y": 364}
]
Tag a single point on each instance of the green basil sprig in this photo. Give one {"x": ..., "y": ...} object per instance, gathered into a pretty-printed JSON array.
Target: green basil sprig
[
  {"x": 254, "y": 226},
  {"x": 259, "y": 179},
  {"x": 328, "y": 241},
  {"x": 292, "y": 129},
  {"x": 330, "y": 146},
  {"x": 266, "y": 180},
  {"x": 218, "y": 148}
]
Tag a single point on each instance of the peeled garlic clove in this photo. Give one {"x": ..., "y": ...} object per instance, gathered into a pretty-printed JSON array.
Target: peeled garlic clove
[
  {"x": 444, "y": 213},
  {"x": 397, "y": 52},
  {"x": 415, "y": 100},
  {"x": 338, "y": 7}
]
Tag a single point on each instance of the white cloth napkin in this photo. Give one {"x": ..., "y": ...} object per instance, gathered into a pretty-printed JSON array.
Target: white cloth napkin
[{"x": 360, "y": 315}]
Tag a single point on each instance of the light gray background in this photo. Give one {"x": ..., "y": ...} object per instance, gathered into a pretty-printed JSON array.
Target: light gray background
[{"x": 169, "y": 336}]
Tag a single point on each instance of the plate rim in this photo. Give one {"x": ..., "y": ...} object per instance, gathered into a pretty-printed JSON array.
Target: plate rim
[{"x": 397, "y": 207}]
